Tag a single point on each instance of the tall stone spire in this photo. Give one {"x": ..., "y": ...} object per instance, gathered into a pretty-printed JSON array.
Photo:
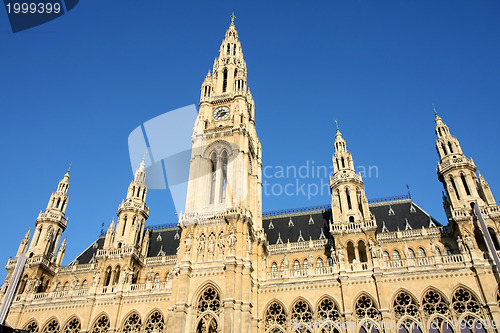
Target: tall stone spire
[
  {"x": 51, "y": 223},
  {"x": 458, "y": 173},
  {"x": 349, "y": 202},
  {"x": 132, "y": 214}
]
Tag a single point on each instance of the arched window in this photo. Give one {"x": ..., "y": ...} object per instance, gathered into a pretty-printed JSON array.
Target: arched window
[
  {"x": 117, "y": 275},
  {"x": 464, "y": 182},
  {"x": 421, "y": 252},
  {"x": 434, "y": 303},
  {"x": 451, "y": 147},
  {"x": 51, "y": 327},
  {"x": 478, "y": 235},
  {"x": 157, "y": 278},
  {"x": 275, "y": 317},
  {"x": 208, "y": 304},
  {"x": 155, "y": 323},
  {"x": 319, "y": 263},
  {"x": 362, "y": 251},
  {"x": 365, "y": 309},
  {"x": 395, "y": 255},
  {"x": 282, "y": 266},
  {"x": 494, "y": 238},
  {"x": 306, "y": 264},
  {"x": 301, "y": 315},
  {"x": 411, "y": 253},
  {"x": 464, "y": 301},
  {"x": 224, "y": 81},
  {"x": 274, "y": 267},
  {"x": 132, "y": 323},
  {"x": 452, "y": 181},
  {"x": 340, "y": 201},
  {"x": 296, "y": 265},
  {"x": 73, "y": 326},
  {"x": 405, "y": 305},
  {"x": 107, "y": 276},
  {"x": 224, "y": 176},
  {"x": 328, "y": 315},
  {"x": 350, "y": 252},
  {"x": 124, "y": 224},
  {"x": 22, "y": 285},
  {"x": 213, "y": 176},
  {"x": 348, "y": 196},
  {"x": 351, "y": 219},
  {"x": 84, "y": 284},
  {"x": 66, "y": 286},
  {"x": 101, "y": 325},
  {"x": 31, "y": 326},
  {"x": 386, "y": 256}
]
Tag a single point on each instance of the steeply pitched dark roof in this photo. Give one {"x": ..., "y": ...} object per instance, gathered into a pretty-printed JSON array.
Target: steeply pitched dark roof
[
  {"x": 164, "y": 241},
  {"x": 86, "y": 256},
  {"x": 394, "y": 215}
]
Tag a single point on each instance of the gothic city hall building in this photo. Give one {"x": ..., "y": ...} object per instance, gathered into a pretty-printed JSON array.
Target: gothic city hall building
[{"x": 353, "y": 266}]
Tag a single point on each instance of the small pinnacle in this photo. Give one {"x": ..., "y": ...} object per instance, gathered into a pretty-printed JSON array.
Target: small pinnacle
[
  {"x": 69, "y": 167},
  {"x": 435, "y": 112},
  {"x": 337, "y": 125},
  {"x": 144, "y": 156}
]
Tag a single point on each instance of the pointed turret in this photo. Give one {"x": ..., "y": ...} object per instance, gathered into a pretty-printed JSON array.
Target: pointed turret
[
  {"x": 51, "y": 223},
  {"x": 458, "y": 173},
  {"x": 24, "y": 243},
  {"x": 60, "y": 253},
  {"x": 349, "y": 202},
  {"x": 132, "y": 213}
]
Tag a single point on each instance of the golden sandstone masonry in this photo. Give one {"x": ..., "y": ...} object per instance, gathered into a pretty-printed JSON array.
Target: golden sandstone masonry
[{"x": 352, "y": 266}]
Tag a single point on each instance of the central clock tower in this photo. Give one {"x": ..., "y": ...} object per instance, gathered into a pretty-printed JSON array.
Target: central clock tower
[
  {"x": 226, "y": 161},
  {"x": 222, "y": 225}
]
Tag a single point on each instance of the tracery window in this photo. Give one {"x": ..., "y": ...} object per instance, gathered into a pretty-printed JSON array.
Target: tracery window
[
  {"x": 208, "y": 305},
  {"x": 405, "y": 305},
  {"x": 421, "y": 252},
  {"x": 73, "y": 326},
  {"x": 31, "y": 327},
  {"x": 440, "y": 325},
  {"x": 132, "y": 323},
  {"x": 101, "y": 325},
  {"x": 301, "y": 316},
  {"x": 411, "y": 254},
  {"x": 275, "y": 315},
  {"x": 365, "y": 308},
  {"x": 209, "y": 301},
  {"x": 463, "y": 301},
  {"x": 51, "y": 327},
  {"x": 207, "y": 324},
  {"x": 328, "y": 316},
  {"x": 155, "y": 323},
  {"x": 471, "y": 324},
  {"x": 434, "y": 303}
]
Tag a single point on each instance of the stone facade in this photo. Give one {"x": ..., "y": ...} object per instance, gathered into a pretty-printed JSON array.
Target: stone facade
[{"x": 227, "y": 267}]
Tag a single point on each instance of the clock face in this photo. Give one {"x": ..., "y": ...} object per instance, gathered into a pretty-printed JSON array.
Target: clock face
[{"x": 221, "y": 113}]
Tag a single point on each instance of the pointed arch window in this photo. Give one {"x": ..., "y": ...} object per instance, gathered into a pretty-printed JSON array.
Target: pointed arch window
[
  {"x": 395, "y": 255},
  {"x": 421, "y": 252},
  {"x": 101, "y": 325},
  {"x": 223, "y": 186},
  {"x": 51, "y": 327},
  {"x": 213, "y": 174},
  {"x": 464, "y": 182},
  {"x": 274, "y": 267},
  {"x": 224, "y": 80},
  {"x": 154, "y": 323},
  {"x": 208, "y": 304},
  {"x": 296, "y": 265},
  {"x": 452, "y": 181},
  {"x": 349, "y": 205},
  {"x": 386, "y": 256},
  {"x": 340, "y": 201},
  {"x": 73, "y": 326},
  {"x": 451, "y": 147},
  {"x": 319, "y": 263}
]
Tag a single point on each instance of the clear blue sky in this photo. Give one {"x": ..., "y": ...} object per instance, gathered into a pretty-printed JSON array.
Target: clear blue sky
[{"x": 74, "y": 88}]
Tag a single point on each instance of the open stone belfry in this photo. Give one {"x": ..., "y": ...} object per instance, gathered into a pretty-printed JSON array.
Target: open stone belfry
[{"x": 355, "y": 266}]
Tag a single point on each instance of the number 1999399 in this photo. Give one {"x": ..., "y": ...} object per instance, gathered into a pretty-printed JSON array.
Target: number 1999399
[{"x": 32, "y": 8}]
